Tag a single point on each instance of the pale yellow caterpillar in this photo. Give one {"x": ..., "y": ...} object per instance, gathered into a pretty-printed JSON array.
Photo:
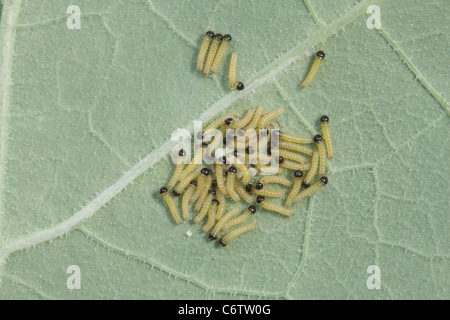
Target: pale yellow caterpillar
[
  {"x": 312, "y": 189},
  {"x": 220, "y": 178},
  {"x": 237, "y": 232},
  {"x": 205, "y": 207},
  {"x": 204, "y": 49},
  {"x": 221, "y": 52},
  {"x": 295, "y": 188},
  {"x": 232, "y": 72},
  {"x": 185, "y": 181},
  {"x": 244, "y": 121},
  {"x": 327, "y": 135},
  {"x": 204, "y": 191},
  {"x": 292, "y": 156},
  {"x": 295, "y": 147},
  {"x": 211, "y": 216},
  {"x": 261, "y": 191},
  {"x": 314, "y": 68},
  {"x": 322, "y": 154},
  {"x": 198, "y": 156},
  {"x": 256, "y": 118},
  {"x": 171, "y": 204},
  {"x": 178, "y": 169},
  {"x": 219, "y": 225},
  {"x": 265, "y": 119},
  {"x": 241, "y": 218},
  {"x": 230, "y": 184},
  {"x": 276, "y": 179},
  {"x": 313, "y": 170},
  {"x": 273, "y": 206},
  {"x": 222, "y": 204},
  {"x": 228, "y": 119},
  {"x": 185, "y": 201},
  {"x": 242, "y": 192},
  {"x": 295, "y": 139},
  {"x": 293, "y": 165},
  {"x": 212, "y": 53}
]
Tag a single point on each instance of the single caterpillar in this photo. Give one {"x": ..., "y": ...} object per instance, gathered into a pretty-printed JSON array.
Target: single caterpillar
[
  {"x": 211, "y": 216},
  {"x": 295, "y": 147},
  {"x": 322, "y": 154},
  {"x": 293, "y": 165},
  {"x": 327, "y": 135},
  {"x": 273, "y": 206},
  {"x": 276, "y": 179},
  {"x": 312, "y": 189},
  {"x": 204, "y": 49},
  {"x": 295, "y": 139},
  {"x": 221, "y": 52},
  {"x": 220, "y": 178},
  {"x": 185, "y": 181},
  {"x": 242, "y": 192},
  {"x": 230, "y": 183},
  {"x": 314, "y": 68},
  {"x": 237, "y": 232},
  {"x": 178, "y": 169},
  {"x": 205, "y": 207},
  {"x": 256, "y": 118},
  {"x": 244, "y": 121},
  {"x": 261, "y": 191},
  {"x": 232, "y": 72},
  {"x": 313, "y": 170},
  {"x": 292, "y": 156},
  {"x": 185, "y": 201},
  {"x": 246, "y": 176},
  {"x": 265, "y": 119},
  {"x": 212, "y": 53},
  {"x": 298, "y": 175},
  {"x": 219, "y": 225},
  {"x": 251, "y": 210},
  {"x": 171, "y": 204},
  {"x": 204, "y": 191},
  {"x": 222, "y": 204}
]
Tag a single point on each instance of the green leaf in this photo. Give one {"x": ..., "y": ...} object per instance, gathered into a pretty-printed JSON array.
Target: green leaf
[{"x": 85, "y": 122}]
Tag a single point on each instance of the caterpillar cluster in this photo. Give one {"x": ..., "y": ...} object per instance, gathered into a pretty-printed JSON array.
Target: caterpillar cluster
[
  {"x": 212, "y": 50},
  {"x": 210, "y": 189}
]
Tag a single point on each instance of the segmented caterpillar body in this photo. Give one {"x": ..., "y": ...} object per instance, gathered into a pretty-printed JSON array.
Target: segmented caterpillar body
[
  {"x": 219, "y": 225},
  {"x": 273, "y": 206},
  {"x": 295, "y": 139},
  {"x": 295, "y": 147},
  {"x": 298, "y": 177},
  {"x": 185, "y": 181},
  {"x": 269, "y": 116},
  {"x": 242, "y": 192},
  {"x": 212, "y": 53},
  {"x": 260, "y": 190},
  {"x": 205, "y": 207},
  {"x": 171, "y": 204},
  {"x": 276, "y": 179},
  {"x": 221, "y": 52},
  {"x": 178, "y": 169},
  {"x": 222, "y": 205},
  {"x": 314, "y": 165},
  {"x": 204, "y": 191},
  {"x": 232, "y": 72},
  {"x": 237, "y": 232},
  {"x": 204, "y": 49},
  {"x": 244, "y": 121},
  {"x": 230, "y": 184},
  {"x": 314, "y": 68},
  {"x": 251, "y": 210},
  {"x": 327, "y": 135},
  {"x": 211, "y": 216},
  {"x": 312, "y": 189},
  {"x": 322, "y": 154},
  {"x": 186, "y": 197},
  {"x": 256, "y": 118}
]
